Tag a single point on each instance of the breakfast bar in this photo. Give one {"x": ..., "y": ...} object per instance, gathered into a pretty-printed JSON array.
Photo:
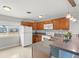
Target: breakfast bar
[{"x": 63, "y": 49}]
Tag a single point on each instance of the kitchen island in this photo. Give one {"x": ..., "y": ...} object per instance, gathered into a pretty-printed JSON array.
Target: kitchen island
[
  {"x": 58, "y": 48},
  {"x": 63, "y": 49}
]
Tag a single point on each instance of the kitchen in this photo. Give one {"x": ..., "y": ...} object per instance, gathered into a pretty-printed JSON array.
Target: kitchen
[
  {"x": 33, "y": 29},
  {"x": 50, "y": 30}
]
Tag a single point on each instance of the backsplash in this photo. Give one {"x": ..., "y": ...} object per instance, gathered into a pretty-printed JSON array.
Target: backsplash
[{"x": 50, "y": 32}]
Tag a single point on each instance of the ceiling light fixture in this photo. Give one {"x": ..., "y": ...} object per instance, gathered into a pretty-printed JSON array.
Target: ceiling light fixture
[
  {"x": 73, "y": 19},
  {"x": 40, "y": 16},
  {"x": 70, "y": 17},
  {"x": 7, "y": 8}
]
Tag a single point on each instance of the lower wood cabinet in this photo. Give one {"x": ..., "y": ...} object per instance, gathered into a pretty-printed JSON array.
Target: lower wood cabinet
[{"x": 36, "y": 38}]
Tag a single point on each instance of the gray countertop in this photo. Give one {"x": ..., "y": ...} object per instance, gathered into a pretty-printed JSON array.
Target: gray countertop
[{"x": 71, "y": 46}]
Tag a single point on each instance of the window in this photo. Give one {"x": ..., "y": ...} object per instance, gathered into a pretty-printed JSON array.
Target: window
[
  {"x": 48, "y": 26},
  {"x": 3, "y": 28}
]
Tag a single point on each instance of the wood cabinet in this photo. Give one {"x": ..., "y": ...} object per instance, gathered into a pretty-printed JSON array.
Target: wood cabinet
[
  {"x": 31, "y": 24},
  {"x": 27, "y": 23},
  {"x": 40, "y": 26},
  {"x": 34, "y": 26},
  {"x": 61, "y": 24},
  {"x": 36, "y": 38},
  {"x": 58, "y": 24}
]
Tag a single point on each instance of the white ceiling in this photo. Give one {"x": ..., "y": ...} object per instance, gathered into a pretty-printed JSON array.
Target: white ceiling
[{"x": 47, "y": 8}]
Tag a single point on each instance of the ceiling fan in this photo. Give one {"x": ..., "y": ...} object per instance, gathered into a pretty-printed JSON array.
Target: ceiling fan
[{"x": 72, "y": 2}]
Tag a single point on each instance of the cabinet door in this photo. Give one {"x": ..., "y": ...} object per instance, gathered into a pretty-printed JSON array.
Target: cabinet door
[
  {"x": 30, "y": 24},
  {"x": 39, "y": 38},
  {"x": 40, "y": 26},
  {"x": 56, "y": 24},
  {"x": 58, "y": 53},
  {"x": 64, "y": 24},
  {"x": 27, "y": 23},
  {"x": 54, "y": 52},
  {"x": 61, "y": 24},
  {"x": 64, "y": 54},
  {"x": 36, "y": 38},
  {"x": 35, "y": 26}
]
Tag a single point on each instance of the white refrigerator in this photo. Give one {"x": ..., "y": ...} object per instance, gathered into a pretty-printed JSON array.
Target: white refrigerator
[{"x": 26, "y": 35}]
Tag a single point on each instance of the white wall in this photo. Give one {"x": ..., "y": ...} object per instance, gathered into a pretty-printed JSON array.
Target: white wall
[
  {"x": 9, "y": 41},
  {"x": 10, "y": 21},
  {"x": 6, "y": 20},
  {"x": 74, "y": 27}
]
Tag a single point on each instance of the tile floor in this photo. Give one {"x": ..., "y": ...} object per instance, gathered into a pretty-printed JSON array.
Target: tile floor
[
  {"x": 16, "y": 52},
  {"x": 38, "y": 50}
]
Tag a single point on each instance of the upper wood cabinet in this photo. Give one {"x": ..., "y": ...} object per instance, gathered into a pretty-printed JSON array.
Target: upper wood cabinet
[
  {"x": 35, "y": 26},
  {"x": 58, "y": 24},
  {"x": 31, "y": 24},
  {"x": 40, "y": 26},
  {"x": 61, "y": 24},
  {"x": 27, "y": 23}
]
